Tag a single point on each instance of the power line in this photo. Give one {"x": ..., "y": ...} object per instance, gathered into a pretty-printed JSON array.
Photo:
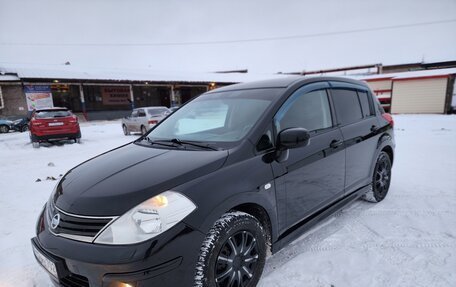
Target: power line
[{"x": 265, "y": 39}]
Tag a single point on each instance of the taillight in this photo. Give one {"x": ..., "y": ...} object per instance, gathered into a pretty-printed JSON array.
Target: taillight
[
  {"x": 153, "y": 122},
  {"x": 388, "y": 118},
  {"x": 36, "y": 122},
  {"x": 73, "y": 120}
]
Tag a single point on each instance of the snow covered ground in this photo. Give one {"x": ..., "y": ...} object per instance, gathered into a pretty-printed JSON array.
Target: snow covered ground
[{"x": 409, "y": 239}]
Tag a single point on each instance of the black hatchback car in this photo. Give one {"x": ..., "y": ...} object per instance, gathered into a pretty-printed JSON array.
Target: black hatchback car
[{"x": 199, "y": 199}]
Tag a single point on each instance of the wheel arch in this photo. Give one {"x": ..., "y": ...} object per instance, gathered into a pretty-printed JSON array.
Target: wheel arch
[
  {"x": 251, "y": 203},
  {"x": 389, "y": 150},
  {"x": 385, "y": 144},
  {"x": 260, "y": 214}
]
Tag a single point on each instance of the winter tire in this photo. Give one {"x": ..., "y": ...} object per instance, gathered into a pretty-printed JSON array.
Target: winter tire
[
  {"x": 24, "y": 128},
  {"x": 125, "y": 130},
  {"x": 233, "y": 253},
  {"x": 4, "y": 129},
  {"x": 381, "y": 179},
  {"x": 143, "y": 130}
]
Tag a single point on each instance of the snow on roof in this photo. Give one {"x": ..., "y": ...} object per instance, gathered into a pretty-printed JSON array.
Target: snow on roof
[
  {"x": 426, "y": 73},
  {"x": 8, "y": 78},
  {"x": 79, "y": 73},
  {"x": 410, "y": 75}
]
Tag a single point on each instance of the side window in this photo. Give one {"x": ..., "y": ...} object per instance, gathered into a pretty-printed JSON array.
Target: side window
[
  {"x": 265, "y": 142},
  {"x": 141, "y": 113},
  {"x": 347, "y": 106},
  {"x": 365, "y": 103},
  {"x": 306, "y": 110},
  {"x": 379, "y": 106},
  {"x": 134, "y": 114}
]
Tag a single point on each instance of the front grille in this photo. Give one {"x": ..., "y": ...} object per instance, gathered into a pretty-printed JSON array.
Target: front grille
[
  {"x": 77, "y": 227},
  {"x": 74, "y": 280}
]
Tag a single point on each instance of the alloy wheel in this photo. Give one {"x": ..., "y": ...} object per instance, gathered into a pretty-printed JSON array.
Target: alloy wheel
[
  {"x": 382, "y": 175},
  {"x": 236, "y": 261}
]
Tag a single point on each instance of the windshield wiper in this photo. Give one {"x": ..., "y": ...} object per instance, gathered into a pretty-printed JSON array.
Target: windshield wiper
[
  {"x": 155, "y": 142},
  {"x": 181, "y": 142}
]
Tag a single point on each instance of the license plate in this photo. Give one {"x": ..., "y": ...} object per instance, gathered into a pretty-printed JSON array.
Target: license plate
[
  {"x": 55, "y": 124},
  {"x": 46, "y": 263}
]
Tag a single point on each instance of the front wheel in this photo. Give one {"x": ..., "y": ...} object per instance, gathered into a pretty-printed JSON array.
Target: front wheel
[
  {"x": 25, "y": 128},
  {"x": 233, "y": 253},
  {"x": 125, "y": 130},
  {"x": 381, "y": 179}
]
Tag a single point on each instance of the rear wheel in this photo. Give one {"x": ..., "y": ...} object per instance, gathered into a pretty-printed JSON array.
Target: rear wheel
[
  {"x": 25, "y": 128},
  {"x": 381, "y": 179},
  {"x": 143, "y": 130},
  {"x": 233, "y": 253},
  {"x": 125, "y": 130},
  {"x": 4, "y": 128}
]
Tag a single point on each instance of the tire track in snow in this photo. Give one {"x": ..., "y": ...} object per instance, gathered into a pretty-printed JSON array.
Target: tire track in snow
[{"x": 318, "y": 240}]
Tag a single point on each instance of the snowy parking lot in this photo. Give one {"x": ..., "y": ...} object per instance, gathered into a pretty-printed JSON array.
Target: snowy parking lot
[{"x": 409, "y": 239}]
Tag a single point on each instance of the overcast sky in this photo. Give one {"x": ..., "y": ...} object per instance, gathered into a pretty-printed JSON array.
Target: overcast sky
[{"x": 209, "y": 35}]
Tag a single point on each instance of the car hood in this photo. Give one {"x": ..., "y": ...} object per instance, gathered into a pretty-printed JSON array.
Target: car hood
[{"x": 114, "y": 182}]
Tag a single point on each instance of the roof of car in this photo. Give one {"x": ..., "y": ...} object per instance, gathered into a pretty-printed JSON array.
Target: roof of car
[{"x": 284, "y": 83}]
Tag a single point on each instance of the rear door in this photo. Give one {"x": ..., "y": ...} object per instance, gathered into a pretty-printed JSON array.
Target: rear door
[
  {"x": 142, "y": 119},
  {"x": 359, "y": 125},
  {"x": 312, "y": 176},
  {"x": 131, "y": 121}
]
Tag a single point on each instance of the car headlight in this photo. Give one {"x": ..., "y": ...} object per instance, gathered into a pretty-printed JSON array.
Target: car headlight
[{"x": 148, "y": 219}]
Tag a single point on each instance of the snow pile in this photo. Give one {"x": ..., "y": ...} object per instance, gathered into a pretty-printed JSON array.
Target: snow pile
[{"x": 409, "y": 239}]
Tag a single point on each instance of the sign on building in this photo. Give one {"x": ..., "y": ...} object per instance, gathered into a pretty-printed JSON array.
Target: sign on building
[
  {"x": 116, "y": 95},
  {"x": 38, "y": 97}
]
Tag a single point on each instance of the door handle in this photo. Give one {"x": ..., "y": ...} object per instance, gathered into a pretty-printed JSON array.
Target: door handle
[
  {"x": 335, "y": 143},
  {"x": 374, "y": 128}
]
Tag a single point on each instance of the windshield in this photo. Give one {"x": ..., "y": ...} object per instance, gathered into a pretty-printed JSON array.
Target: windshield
[
  {"x": 157, "y": 112},
  {"x": 216, "y": 117},
  {"x": 52, "y": 114}
]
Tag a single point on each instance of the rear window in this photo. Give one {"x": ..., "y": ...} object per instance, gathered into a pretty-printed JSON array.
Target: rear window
[
  {"x": 52, "y": 114},
  {"x": 348, "y": 109},
  {"x": 156, "y": 112},
  {"x": 364, "y": 100}
]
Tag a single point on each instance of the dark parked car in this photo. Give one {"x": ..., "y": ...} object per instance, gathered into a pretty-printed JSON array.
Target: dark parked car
[
  {"x": 5, "y": 125},
  {"x": 20, "y": 125},
  {"x": 53, "y": 124},
  {"x": 199, "y": 199}
]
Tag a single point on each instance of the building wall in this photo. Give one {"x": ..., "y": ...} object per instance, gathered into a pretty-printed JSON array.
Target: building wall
[
  {"x": 426, "y": 95},
  {"x": 382, "y": 89},
  {"x": 13, "y": 100}
]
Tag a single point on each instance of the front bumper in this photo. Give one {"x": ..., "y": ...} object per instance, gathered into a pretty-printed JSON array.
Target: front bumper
[{"x": 166, "y": 260}]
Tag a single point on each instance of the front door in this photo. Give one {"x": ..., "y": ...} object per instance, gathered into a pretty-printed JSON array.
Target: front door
[{"x": 311, "y": 176}]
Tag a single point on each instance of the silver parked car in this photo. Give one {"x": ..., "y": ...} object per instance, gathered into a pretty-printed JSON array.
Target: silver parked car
[{"x": 142, "y": 119}]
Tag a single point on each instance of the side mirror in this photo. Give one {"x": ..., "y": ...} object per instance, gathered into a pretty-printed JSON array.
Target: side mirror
[{"x": 292, "y": 138}]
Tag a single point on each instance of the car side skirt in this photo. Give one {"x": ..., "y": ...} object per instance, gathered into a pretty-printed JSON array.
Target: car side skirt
[{"x": 306, "y": 224}]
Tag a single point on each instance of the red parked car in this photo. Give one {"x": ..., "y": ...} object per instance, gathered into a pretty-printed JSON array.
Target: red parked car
[{"x": 53, "y": 124}]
